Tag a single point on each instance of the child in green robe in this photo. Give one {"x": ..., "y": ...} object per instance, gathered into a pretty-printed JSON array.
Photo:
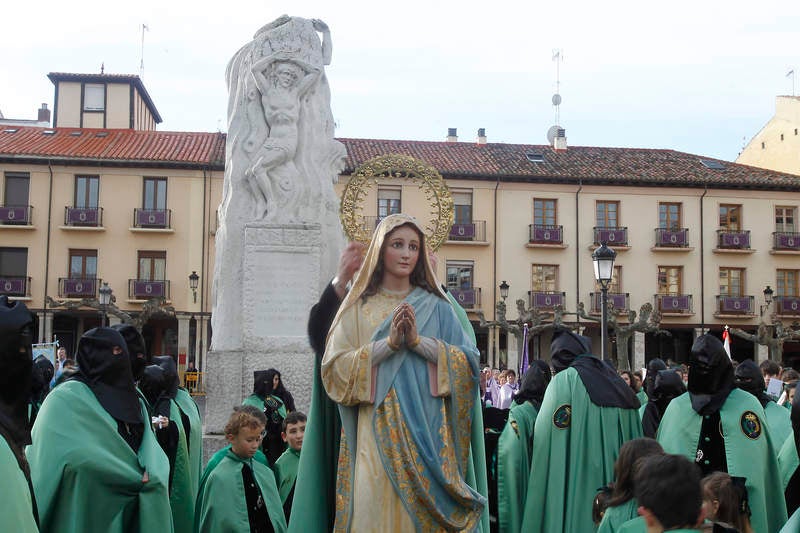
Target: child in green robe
[
  {"x": 239, "y": 494},
  {"x": 294, "y": 428}
]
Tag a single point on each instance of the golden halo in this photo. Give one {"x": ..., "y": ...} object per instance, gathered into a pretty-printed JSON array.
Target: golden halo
[{"x": 398, "y": 166}]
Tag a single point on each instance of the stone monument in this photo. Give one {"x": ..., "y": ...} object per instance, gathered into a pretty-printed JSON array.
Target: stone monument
[{"x": 279, "y": 237}]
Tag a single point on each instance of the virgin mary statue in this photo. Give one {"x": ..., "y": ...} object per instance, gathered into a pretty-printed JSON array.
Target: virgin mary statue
[{"x": 405, "y": 376}]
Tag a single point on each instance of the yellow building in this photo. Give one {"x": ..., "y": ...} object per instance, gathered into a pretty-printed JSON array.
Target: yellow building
[
  {"x": 777, "y": 145},
  {"x": 104, "y": 198}
]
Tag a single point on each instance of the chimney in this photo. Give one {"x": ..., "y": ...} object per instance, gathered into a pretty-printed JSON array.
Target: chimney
[
  {"x": 452, "y": 135},
  {"x": 560, "y": 142},
  {"x": 481, "y": 136},
  {"x": 44, "y": 114}
]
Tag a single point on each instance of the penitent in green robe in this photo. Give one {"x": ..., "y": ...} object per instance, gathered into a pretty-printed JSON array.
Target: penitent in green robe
[
  {"x": 514, "y": 449},
  {"x": 286, "y": 472},
  {"x": 86, "y": 477},
  {"x": 575, "y": 445},
  {"x": 780, "y": 423},
  {"x": 16, "y": 509},
  {"x": 749, "y": 451},
  {"x": 188, "y": 461},
  {"x": 221, "y": 503}
]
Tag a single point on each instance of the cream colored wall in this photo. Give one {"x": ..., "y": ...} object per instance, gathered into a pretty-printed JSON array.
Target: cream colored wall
[
  {"x": 143, "y": 119},
  {"x": 118, "y": 106},
  {"x": 68, "y": 105},
  {"x": 778, "y": 154}
]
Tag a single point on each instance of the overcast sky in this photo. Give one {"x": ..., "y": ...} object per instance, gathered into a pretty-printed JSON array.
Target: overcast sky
[{"x": 698, "y": 76}]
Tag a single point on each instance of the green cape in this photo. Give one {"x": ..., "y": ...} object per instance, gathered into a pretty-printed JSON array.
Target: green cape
[
  {"x": 188, "y": 459},
  {"x": 514, "y": 450},
  {"x": 575, "y": 445},
  {"x": 793, "y": 525},
  {"x": 257, "y": 401},
  {"x": 286, "y": 472},
  {"x": 16, "y": 509},
  {"x": 221, "y": 504},
  {"x": 86, "y": 477},
  {"x": 752, "y": 457},
  {"x": 614, "y": 517},
  {"x": 779, "y": 421},
  {"x": 788, "y": 461}
]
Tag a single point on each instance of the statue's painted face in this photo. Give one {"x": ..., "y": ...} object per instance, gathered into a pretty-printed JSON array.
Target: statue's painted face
[{"x": 287, "y": 74}]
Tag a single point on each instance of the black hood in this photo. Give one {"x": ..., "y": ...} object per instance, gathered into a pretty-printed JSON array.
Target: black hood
[
  {"x": 749, "y": 378},
  {"x": 16, "y": 335},
  {"x": 566, "y": 346},
  {"x": 43, "y": 372},
  {"x": 533, "y": 384},
  {"x": 167, "y": 364},
  {"x": 154, "y": 384},
  {"x": 653, "y": 368},
  {"x": 137, "y": 351},
  {"x": 262, "y": 386},
  {"x": 710, "y": 374},
  {"x": 667, "y": 385},
  {"x": 108, "y": 375}
]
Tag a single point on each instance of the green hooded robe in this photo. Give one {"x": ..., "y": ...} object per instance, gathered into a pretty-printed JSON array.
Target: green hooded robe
[
  {"x": 221, "y": 503},
  {"x": 16, "y": 509},
  {"x": 188, "y": 460},
  {"x": 514, "y": 450},
  {"x": 86, "y": 477}
]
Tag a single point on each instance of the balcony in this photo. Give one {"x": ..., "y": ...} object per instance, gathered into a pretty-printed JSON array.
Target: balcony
[
  {"x": 733, "y": 240},
  {"x": 786, "y": 241},
  {"x": 544, "y": 234},
  {"x": 78, "y": 287},
  {"x": 787, "y": 305},
  {"x": 468, "y": 298},
  {"x": 16, "y": 215},
  {"x": 474, "y": 231},
  {"x": 674, "y": 304},
  {"x": 88, "y": 217},
  {"x": 545, "y": 299},
  {"x": 735, "y": 305},
  {"x": 612, "y": 236},
  {"x": 620, "y": 301},
  {"x": 144, "y": 289},
  {"x": 672, "y": 238},
  {"x": 152, "y": 218},
  {"x": 16, "y": 286}
]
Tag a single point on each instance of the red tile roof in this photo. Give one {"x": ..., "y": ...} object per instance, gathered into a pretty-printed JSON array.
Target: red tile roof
[
  {"x": 113, "y": 147},
  {"x": 623, "y": 166}
]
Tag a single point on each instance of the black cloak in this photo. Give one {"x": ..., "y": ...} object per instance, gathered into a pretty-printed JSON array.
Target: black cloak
[
  {"x": 711, "y": 376},
  {"x": 533, "y": 384},
  {"x": 262, "y": 387},
  {"x": 667, "y": 385},
  {"x": 749, "y": 378},
  {"x": 137, "y": 350}
]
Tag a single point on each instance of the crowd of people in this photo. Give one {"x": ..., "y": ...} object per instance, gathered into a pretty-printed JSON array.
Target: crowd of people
[{"x": 405, "y": 431}]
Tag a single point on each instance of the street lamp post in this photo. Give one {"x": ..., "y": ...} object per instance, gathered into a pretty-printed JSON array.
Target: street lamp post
[
  {"x": 194, "y": 279},
  {"x": 105, "y": 299},
  {"x": 768, "y": 292},
  {"x": 504, "y": 290},
  {"x": 603, "y": 259}
]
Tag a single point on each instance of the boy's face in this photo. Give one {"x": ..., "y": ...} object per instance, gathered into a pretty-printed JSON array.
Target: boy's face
[
  {"x": 245, "y": 444},
  {"x": 293, "y": 436}
]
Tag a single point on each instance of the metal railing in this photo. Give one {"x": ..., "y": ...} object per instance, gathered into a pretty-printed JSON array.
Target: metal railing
[
  {"x": 16, "y": 215},
  {"x": 735, "y": 305},
  {"x": 152, "y": 218},
  {"x": 19, "y": 286},
  {"x": 544, "y": 234},
  {"x": 83, "y": 216},
  {"x": 78, "y": 287},
  {"x": 144, "y": 289},
  {"x": 672, "y": 238},
  {"x": 612, "y": 236}
]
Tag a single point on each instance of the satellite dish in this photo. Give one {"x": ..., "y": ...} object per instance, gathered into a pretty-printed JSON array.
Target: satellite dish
[
  {"x": 556, "y": 99},
  {"x": 552, "y": 133}
]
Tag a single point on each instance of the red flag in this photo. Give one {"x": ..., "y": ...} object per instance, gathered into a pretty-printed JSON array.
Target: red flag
[{"x": 726, "y": 338}]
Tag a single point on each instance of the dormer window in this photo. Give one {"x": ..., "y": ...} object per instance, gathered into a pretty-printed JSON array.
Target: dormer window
[{"x": 94, "y": 97}]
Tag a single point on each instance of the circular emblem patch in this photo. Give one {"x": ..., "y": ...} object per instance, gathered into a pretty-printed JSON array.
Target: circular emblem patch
[
  {"x": 751, "y": 425},
  {"x": 563, "y": 416}
]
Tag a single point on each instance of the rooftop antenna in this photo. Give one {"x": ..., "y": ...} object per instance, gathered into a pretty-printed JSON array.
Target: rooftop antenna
[
  {"x": 141, "y": 55},
  {"x": 791, "y": 74},
  {"x": 102, "y": 67},
  {"x": 557, "y": 57}
]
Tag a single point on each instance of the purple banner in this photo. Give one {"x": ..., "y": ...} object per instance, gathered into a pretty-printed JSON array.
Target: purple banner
[
  {"x": 672, "y": 237},
  {"x": 82, "y": 215},
  {"x": 675, "y": 303},
  {"x": 14, "y": 214},
  {"x": 146, "y": 217},
  {"x": 547, "y": 234},
  {"x": 462, "y": 231},
  {"x": 736, "y": 240},
  {"x": 79, "y": 286},
  {"x": 612, "y": 236},
  {"x": 735, "y": 304},
  {"x": 466, "y": 297},
  {"x": 12, "y": 286},
  {"x": 524, "y": 362},
  {"x": 149, "y": 289},
  {"x": 619, "y": 300},
  {"x": 788, "y": 240},
  {"x": 544, "y": 299},
  {"x": 789, "y": 305}
]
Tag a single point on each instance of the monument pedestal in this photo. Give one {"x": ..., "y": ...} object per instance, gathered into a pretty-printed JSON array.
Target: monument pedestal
[{"x": 280, "y": 283}]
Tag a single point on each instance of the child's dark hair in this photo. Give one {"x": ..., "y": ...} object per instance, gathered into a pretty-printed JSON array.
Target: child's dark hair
[
  {"x": 626, "y": 465},
  {"x": 600, "y": 503},
  {"x": 669, "y": 487},
  {"x": 295, "y": 417},
  {"x": 731, "y": 495},
  {"x": 245, "y": 416}
]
